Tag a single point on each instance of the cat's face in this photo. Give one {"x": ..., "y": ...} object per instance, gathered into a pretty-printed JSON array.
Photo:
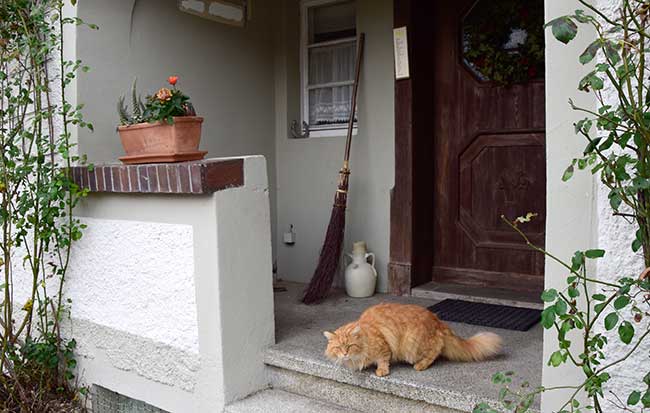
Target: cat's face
[{"x": 344, "y": 344}]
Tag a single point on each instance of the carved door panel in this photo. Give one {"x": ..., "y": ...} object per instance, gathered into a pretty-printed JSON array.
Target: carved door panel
[{"x": 489, "y": 160}]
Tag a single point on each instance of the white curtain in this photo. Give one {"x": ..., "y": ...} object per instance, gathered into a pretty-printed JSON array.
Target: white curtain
[{"x": 328, "y": 64}]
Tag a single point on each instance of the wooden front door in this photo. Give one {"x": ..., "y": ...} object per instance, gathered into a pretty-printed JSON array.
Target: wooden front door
[{"x": 489, "y": 160}]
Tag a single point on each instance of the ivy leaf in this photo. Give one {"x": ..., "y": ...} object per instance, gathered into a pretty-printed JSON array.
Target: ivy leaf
[
  {"x": 599, "y": 297},
  {"x": 560, "y": 307},
  {"x": 599, "y": 307},
  {"x": 637, "y": 244},
  {"x": 568, "y": 173},
  {"x": 583, "y": 126},
  {"x": 615, "y": 200},
  {"x": 634, "y": 398},
  {"x": 549, "y": 295},
  {"x": 591, "y": 81},
  {"x": 563, "y": 29},
  {"x": 626, "y": 332},
  {"x": 602, "y": 67},
  {"x": 577, "y": 260},
  {"x": 646, "y": 399},
  {"x": 556, "y": 359},
  {"x": 593, "y": 254},
  {"x": 548, "y": 317},
  {"x": 582, "y": 18},
  {"x": 483, "y": 408},
  {"x": 624, "y": 139},
  {"x": 596, "y": 82},
  {"x": 621, "y": 302},
  {"x": 610, "y": 321},
  {"x": 590, "y": 52},
  {"x": 611, "y": 52},
  {"x": 593, "y": 144}
]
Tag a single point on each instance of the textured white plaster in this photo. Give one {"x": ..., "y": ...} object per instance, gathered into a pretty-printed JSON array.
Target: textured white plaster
[
  {"x": 136, "y": 277},
  {"x": 615, "y": 235},
  {"x": 161, "y": 363}
]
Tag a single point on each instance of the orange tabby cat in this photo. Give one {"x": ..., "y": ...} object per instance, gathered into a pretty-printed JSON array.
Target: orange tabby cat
[{"x": 398, "y": 332}]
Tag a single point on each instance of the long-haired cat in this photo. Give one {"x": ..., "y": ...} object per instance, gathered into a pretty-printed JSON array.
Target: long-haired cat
[{"x": 409, "y": 333}]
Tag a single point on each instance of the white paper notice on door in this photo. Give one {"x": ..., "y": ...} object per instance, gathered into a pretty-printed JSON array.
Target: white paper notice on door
[{"x": 401, "y": 48}]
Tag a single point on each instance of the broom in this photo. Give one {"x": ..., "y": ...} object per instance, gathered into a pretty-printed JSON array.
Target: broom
[{"x": 328, "y": 262}]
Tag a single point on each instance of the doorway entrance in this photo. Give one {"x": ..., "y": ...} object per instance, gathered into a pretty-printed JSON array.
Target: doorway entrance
[{"x": 470, "y": 146}]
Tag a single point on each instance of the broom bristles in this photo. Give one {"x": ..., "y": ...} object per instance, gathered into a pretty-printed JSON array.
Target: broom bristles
[{"x": 329, "y": 258}]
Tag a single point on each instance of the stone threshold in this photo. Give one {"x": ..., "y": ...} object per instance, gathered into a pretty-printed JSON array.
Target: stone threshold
[
  {"x": 439, "y": 292},
  {"x": 192, "y": 178}
]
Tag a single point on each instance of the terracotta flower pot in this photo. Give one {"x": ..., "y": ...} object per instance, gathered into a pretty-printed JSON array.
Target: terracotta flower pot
[{"x": 161, "y": 142}]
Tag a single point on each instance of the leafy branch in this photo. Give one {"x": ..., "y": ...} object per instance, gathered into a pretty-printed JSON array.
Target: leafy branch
[{"x": 38, "y": 197}]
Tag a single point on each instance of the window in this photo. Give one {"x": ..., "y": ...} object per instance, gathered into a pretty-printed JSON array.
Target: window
[{"x": 328, "y": 58}]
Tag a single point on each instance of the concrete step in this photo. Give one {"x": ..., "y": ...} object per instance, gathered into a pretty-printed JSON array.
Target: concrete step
[
  {"x": 298, "y": 365},
  {"x": 278, "y": 401},
  {"x": 354, "y": 398},
  {"x": 298, "y": 373}
]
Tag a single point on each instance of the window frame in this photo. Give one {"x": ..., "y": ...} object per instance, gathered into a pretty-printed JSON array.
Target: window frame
[{"x": 328, "y": 130}]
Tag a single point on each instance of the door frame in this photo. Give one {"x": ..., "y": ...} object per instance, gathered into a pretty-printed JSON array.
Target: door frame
[{"x": 411, "y": 205}]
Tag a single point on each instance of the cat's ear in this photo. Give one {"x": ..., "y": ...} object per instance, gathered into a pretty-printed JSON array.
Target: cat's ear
[
  {"x": 356, "y": 330},
  {"x": 328, "y": 335}
]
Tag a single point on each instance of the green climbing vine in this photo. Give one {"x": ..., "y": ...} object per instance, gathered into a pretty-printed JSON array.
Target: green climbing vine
[{"x": 38, "y": 196}]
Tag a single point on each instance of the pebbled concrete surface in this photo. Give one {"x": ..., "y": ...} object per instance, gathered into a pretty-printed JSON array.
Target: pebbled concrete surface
[
  {"x": 348, "y": 395},
  {"x": 278, "y": 401},
  {"x": 459, "y": 386}
]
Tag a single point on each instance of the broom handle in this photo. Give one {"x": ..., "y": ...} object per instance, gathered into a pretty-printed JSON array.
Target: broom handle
[{"x": 353, "y": 108}]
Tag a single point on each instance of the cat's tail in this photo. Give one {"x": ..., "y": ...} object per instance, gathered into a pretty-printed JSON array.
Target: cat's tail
[{"x": 479, "y": 347}]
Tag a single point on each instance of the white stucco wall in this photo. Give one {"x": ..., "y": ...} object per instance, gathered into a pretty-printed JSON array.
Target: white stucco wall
[
  {"x": 161, "y": 288},
  {"x": 571, "y": 214},
  {"x": 615, "y": 235},
  {"x": 227, "y": 72},
  {"x": 582, "y": 216},
  {"x": 307, "y": 169},
  {"x": 137, "y": 277}
]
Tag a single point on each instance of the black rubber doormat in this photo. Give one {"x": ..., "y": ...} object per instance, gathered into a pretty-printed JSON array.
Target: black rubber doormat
[{"x": 487, "y": 315}]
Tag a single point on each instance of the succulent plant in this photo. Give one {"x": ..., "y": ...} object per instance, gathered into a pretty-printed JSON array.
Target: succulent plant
[{"x": 138, "y": 107}]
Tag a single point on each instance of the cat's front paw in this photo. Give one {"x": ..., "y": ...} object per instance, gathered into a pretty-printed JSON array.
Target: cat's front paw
[
  {"x": 422, "y": 365},
  {"x": 382, "y": 371}
]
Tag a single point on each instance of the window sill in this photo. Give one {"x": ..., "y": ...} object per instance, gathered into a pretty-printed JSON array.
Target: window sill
[{"x": 331, "y": 133}]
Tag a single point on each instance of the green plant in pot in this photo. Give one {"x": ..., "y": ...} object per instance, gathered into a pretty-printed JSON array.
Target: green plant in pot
[{"x": 163, "y": 128}]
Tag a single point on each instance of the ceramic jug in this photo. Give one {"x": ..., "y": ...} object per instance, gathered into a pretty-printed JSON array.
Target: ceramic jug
[{"x": 360, "y": 276}]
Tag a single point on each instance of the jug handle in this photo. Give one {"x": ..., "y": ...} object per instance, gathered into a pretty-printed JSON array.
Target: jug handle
[
  {"x": 348, "y": 255},
  {"x": 371, "y": 255}
]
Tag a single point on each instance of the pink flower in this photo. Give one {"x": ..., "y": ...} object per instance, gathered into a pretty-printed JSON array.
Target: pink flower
[{"x": 164, "y": 95}]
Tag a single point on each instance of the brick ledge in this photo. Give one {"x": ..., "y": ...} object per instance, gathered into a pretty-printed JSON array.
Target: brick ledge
[{"x": 194, "y": 178}]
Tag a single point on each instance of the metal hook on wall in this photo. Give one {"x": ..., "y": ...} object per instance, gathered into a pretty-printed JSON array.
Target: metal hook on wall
[{"x": 297, "y": 133}]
